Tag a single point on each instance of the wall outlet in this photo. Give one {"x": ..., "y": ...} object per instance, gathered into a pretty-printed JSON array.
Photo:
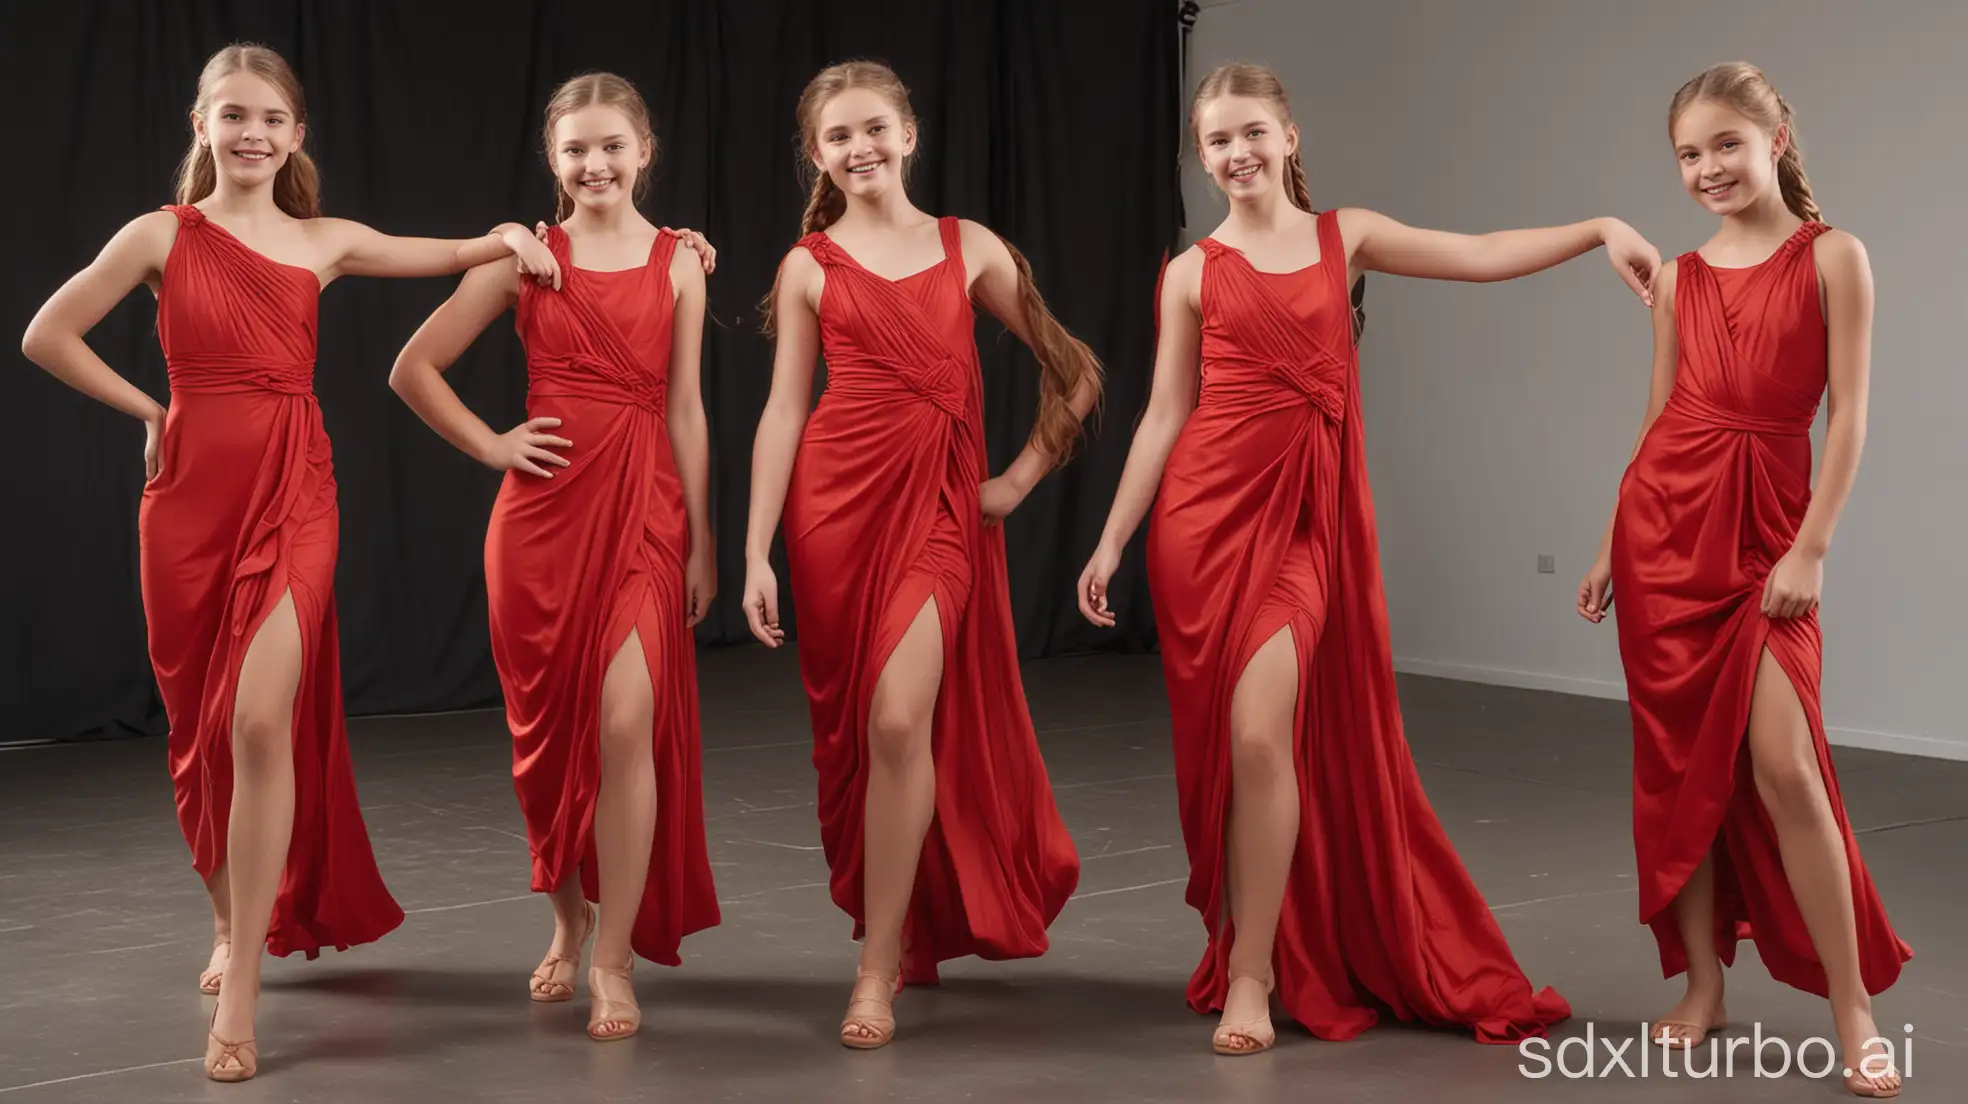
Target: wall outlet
[{"x": 1547, "y": 565}]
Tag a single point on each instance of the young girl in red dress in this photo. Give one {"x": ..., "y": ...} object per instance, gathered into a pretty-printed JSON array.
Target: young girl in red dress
[
  {"x": 1716, "y": 551},
  {"x": 1315, "y": 860},
  {"x": 936, "y": 814},
  {"x": 239, "y": 522},
  {"x": 598, "y": 559}
]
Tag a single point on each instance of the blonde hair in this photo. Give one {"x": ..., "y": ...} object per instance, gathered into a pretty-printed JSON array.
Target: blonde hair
[
  {"x": 605, "y": 90},
  {"x": 297, "y": 186},
  {"x": 1743, "y": 88}
]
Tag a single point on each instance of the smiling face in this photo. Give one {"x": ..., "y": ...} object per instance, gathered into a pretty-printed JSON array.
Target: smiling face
[
  {"x": 599, "y": 156},
  {"x": 1728, "y": 161},
  {"x": 249, "y": 128},
  {"x": 862, "y": 141},
  {"x": 1244, "y": 145}
]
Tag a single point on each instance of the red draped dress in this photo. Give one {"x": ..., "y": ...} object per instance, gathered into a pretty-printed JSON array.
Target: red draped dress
[
  {"x": 882, "y": 514},
  {"x": 1712, "y": 500},
  {"x": 243, "y": 511},
  {"x": 1265, "y": 521},
  {"x": 575, "y": 563}
]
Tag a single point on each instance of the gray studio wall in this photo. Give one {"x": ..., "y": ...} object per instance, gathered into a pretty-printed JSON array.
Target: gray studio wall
[{"x": 1500, "y": 417}]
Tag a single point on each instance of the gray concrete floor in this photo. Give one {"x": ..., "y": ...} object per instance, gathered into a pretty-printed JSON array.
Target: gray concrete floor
[{"x": 103, "y": 928}]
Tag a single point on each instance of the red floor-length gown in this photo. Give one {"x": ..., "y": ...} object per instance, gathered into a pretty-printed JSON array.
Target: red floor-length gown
[
  {"x": 1265, "y": 520},
  {"x": 1712, "y": 500},
  {"x": 242, "y": 511},
  {"x": 575, "y": 563},
  {"x": 882, "y": 514}
]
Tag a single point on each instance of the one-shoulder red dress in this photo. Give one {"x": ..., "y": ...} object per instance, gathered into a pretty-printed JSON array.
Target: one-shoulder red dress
[{"x": 243, "y": 511}]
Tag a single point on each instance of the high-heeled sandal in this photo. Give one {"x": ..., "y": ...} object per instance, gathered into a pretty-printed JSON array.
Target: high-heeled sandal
[
  {"x": 603, "y": 1009},
  {"x": 871, "y": 1031},
  {"x": 214, "y": 976},
  {"x": 1258, "y": 1032},
  {"x": 245, "y": 1056},
  {"x": 1860, "y": 1084},
  {"x": 547, "y": 988},
  {"x": 1692, "y": 1035}
]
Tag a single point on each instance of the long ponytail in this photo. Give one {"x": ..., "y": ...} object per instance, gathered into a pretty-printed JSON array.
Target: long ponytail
[
  {"x": 824, "y": 205},
  {"x": 1066, "y": 365},
  {"x": 1791, "y": 181},
  {"x": 1301, "y": 195}
]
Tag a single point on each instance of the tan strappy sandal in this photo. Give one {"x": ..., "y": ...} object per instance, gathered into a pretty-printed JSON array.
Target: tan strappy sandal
[
  {"x": 1860, "y": 1083},
  {"x": 547, "y": 988},
  {"x": 871, "y": 1030},
  {"x": 243, "y": 1056},
  {"x": 1863, "y": 1084},
  {"x": 1692, "y": 1035},
  {"x": 605, "y": 1010},
  {"x": 1257, "y": 1035},
  {"x": 214, "y": 976}
]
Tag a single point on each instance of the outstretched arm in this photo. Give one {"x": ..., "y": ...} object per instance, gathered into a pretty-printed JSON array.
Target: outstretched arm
[
  {"x": 358, "y": 250},
  {"x": 1380, "y": 244}
]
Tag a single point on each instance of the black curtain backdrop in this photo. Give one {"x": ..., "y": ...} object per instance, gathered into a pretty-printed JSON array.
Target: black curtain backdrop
[{"x": 1056, "y": 124}]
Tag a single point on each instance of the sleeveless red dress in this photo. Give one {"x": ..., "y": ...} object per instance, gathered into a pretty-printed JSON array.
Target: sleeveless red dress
[
  {"x": 1264, "y": 520},
  {"x": 242, "y": 511},
  {"x": 1712, "y": 500},
  {"x": 575, "y": 563},
  {"x": 881, "y": 514}
]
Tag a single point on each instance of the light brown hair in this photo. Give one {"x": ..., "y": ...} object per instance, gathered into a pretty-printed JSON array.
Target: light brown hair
[
  {"x": 1255, "y": 82},
  {"x": 825, "y": 202},
  {"x": 1250, "y": 80},
  {"x": 1744, "y": 89},
  {"x": 297, "y": 186},
  {"x": 1065, "y": 362},
  {"x": 605, "y": 90}
]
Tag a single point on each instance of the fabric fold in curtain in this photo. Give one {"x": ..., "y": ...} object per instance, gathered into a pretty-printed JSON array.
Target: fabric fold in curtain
[{"x": 1057, "y": 125}]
